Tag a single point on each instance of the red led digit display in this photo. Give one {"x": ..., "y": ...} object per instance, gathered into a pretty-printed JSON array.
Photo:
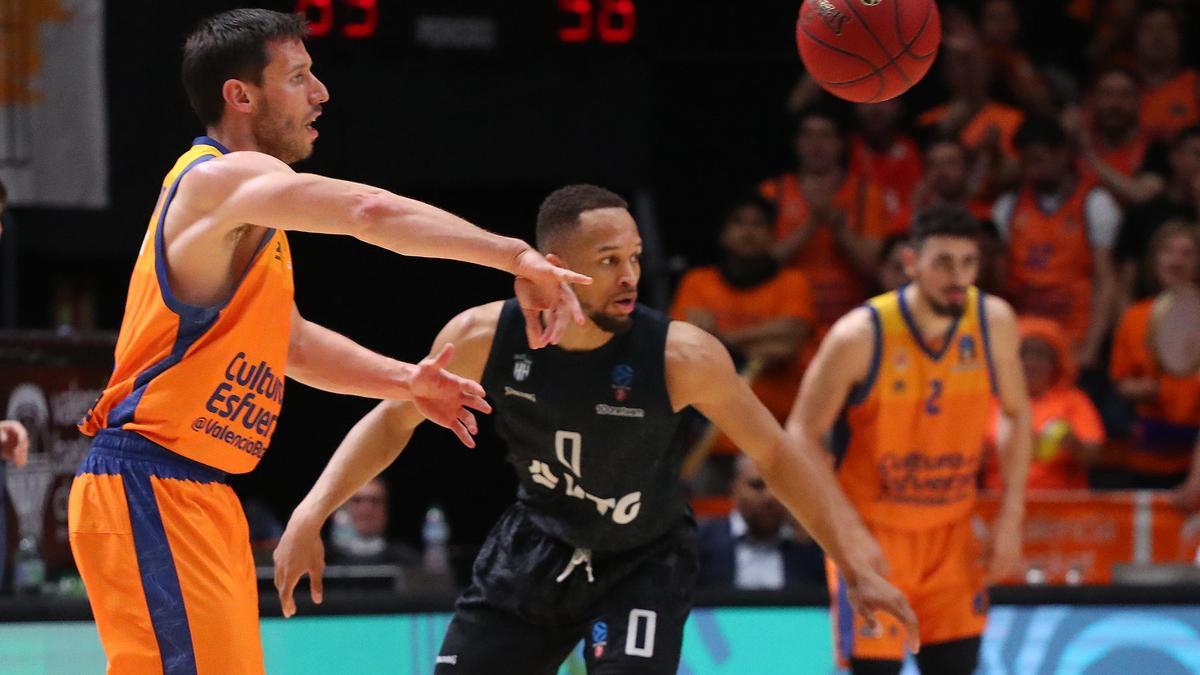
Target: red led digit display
[
  {"x": 612, "y": 21},
  {"x": 360, "y": 17}
]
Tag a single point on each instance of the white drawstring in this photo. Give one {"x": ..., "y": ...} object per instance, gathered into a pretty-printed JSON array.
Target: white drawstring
[{"x": 580, "y": 556}]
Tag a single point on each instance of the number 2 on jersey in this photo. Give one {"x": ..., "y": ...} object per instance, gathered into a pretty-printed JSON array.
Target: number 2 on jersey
[{"x": 935, "y": 395}]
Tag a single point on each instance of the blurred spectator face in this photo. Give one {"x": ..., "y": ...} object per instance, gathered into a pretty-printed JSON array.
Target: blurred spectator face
[
  {"x": 1115, "y": 104},
  {"x": 878, "y": 120},
  {"x": 1157, "y": 40},
  {"x": 763, "y": 513},
  {"x": 1045, "y": 167},
  {"x": 368, "y": 509},
  {"x": 946, "y": 171},
  {"x": 1176, "y": 261},
  {"x": 1185, "y": 159},
  {"x": 891, "y": 269},
  {"x": 1040, "y": 363},
  {"x": 966, "y": 72},
  {"x": 747, "y": 233},
  {"x": 818, "y": 144},
  {"x": 999, "y": 23},
  {"x": 943, "y": 268}
]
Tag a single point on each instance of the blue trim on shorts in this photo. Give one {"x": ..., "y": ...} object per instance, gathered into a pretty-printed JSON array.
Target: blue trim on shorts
[
  {"x": 119, "y": 452},
  {"x": 137, "y": 460},
  {"x": 845, "y": 620},
  {"x": 160, "y": 580}
]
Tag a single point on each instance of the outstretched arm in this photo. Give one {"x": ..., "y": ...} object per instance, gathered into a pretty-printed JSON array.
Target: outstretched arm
[
  {"x": 700, "y": 373},
  {"x": 370, "y": 447},
  {"x": 252, "y": 188},
  {"x": 330, "y": 361}
]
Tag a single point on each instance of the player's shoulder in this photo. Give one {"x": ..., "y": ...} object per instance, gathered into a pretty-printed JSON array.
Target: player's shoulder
[
  {"x": 475, "y": 323},
  {"x": 208, "y": 184},
  {"x": 858, "y": 326},
  {"x": 691, "y": 347},
  {"x": 997, "y": 309}
]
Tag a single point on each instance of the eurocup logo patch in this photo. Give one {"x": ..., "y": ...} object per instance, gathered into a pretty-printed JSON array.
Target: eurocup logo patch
[
  {"x": 966, "y": 350},
  {"x": 522, "y": 364},
  {"x": 622, "y": 381},
  {"x": 599, "y": 638}
]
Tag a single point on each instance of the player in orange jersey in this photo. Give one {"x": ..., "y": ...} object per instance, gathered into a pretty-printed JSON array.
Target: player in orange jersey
[
  {"x": 211, "y": 331},
  {"x": 913, "y": 373}
]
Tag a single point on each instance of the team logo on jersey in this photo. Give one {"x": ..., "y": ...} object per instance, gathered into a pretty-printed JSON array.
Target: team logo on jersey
[
  {"x": 599, "y": 638},
  {"x": 522, "y": 364},
  {"x": 622, "y": 381},
  {"x": 900, "y": 362},
  {"x": 968, "y": 355}
]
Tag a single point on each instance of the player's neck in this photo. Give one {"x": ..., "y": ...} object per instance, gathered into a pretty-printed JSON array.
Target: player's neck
[
  {"x": 931, "y": 324},
  {"x": 585, "y": 338},
  {"x": 235, "y": 137}
]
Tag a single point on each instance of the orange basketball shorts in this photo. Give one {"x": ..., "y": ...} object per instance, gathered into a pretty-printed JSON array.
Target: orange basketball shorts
[
  {"x": 939, "y": 570},
  {"x": 164, "y": 551}
]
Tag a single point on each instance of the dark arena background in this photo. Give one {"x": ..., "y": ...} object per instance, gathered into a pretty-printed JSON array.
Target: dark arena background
[{"x": 483, "y": 108}]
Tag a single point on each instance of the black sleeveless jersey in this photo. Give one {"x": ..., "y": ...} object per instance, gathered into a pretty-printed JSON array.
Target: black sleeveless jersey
[{"x": 592, "y": 435}]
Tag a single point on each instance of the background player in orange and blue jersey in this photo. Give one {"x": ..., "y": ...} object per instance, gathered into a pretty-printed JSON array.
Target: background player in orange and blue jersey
[
  {"x": 211, "y": 331},
  {"x": 911, "y": 375}
]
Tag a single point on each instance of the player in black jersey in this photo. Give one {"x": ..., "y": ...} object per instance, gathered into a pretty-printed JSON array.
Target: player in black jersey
[{"x": 600, "y": 545}]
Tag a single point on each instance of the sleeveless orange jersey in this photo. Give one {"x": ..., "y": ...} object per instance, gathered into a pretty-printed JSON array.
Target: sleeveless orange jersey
[
  {"x": 1005, "y": 118},
  {"x": 203, "y": 382},
  {"x": 1126, "y": 158},
  {"x": 1173, "y": 106},
  {"x": 913, "y": 431},
  {"x": 1051, "y": 261},
  {"x": 896, "y": 171},
  {"x": 836, "y": 286}
]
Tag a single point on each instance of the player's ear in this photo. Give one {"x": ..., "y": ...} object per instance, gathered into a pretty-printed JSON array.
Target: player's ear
[
  {"x": 555, "y": 260},
  {"x": 236, "y": 95},
  {"x": 908, "y": 255}
]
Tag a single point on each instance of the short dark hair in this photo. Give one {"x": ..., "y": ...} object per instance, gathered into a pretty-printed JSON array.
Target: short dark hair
[
  {"x": 1040, "y": 130},
  {"x": 753, "y": 200},
  {"x": 1155, "y": 7},
  {"x": 560, "y": 210},
  {"x": 822, "y": 110},
  {"x": 944, "y": 220},
  {"x": 944, "y": 139},
  {"x": 232, "y": 45},
  {"x": 1114, "y": 69}
]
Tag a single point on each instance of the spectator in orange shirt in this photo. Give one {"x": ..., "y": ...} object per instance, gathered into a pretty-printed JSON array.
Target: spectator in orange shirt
[
  {"x": 830, "y": 221},
  {"x": 1112, "y": 147},
  {"x": 1167, "y": 407},
  {"x": 985, "y": 126},
  {"x": 758, "y": 309},
  {"x": 1068, "y": 433},
  {"x": 999, "y": 29},
  {"x": 1180, "y": 200},
  {"x": 1170, "y": 92},
  {"x": 1060, "y": 233},
  {"x": 885, "y": 155}
]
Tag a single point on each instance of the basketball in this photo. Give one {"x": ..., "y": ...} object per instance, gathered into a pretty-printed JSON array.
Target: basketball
[{"x": 868, "y": 51}]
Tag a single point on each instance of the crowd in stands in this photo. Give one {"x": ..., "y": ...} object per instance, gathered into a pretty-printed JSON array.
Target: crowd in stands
[{"x": 1088, "y": 184}]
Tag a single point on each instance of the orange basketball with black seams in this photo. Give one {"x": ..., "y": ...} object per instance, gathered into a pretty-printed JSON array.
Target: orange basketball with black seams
[{"x": 868, "y": 51}]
